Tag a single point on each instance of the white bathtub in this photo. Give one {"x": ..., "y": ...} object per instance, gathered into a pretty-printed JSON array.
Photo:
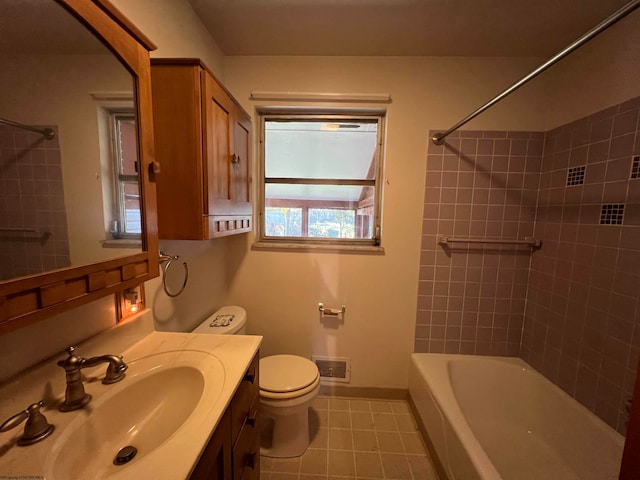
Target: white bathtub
[{"x": 494, "y": 418}]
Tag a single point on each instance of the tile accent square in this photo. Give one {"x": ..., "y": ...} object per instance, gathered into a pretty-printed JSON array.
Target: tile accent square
[
  {"x": 575, "y": 175},
  {"x": 612, "y": 214},
  {"x": 635, "y": 167}
]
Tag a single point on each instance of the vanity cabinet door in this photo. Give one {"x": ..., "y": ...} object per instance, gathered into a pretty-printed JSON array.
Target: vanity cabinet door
[
  {"x": 246, "y": 401},
  {"x": 233, "y": 452},
  {"x": 203, "y": 140},
  {"x": 215, "y": 462}
]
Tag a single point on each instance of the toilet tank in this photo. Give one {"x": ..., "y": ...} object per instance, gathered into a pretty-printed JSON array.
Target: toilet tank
[{"x": 229, "y": 320}]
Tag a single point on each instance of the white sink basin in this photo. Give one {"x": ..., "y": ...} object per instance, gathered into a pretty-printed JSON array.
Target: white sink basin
[{"x": 161, "y": 394}]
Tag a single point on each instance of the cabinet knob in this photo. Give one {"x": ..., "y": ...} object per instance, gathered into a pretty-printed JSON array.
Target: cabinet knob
[
  {"x": 154, "y": 168},
  {"x": 250, "y": 377},
  {"x": 235, "y": 158}
]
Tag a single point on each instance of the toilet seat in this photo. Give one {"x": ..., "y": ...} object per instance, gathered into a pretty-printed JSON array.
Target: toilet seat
[{"x": 287, "y": 376}]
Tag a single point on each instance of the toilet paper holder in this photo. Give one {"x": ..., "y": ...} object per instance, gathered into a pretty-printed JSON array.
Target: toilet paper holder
[{"x": 332, "y": 312}]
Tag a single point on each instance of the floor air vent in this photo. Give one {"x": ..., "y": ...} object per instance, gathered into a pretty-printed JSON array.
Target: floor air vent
[{"x": 333, "y": 369}]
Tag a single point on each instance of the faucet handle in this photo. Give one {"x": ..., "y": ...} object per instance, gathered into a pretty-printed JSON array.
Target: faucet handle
[
  {"x": 37, "y": 428},
  {"x": 72, "y": 361}
]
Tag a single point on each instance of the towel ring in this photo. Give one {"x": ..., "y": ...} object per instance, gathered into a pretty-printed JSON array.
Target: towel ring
[{"x": 167, "y": 260}]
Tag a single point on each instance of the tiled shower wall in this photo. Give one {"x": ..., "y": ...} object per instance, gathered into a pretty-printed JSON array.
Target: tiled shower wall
[
  {"x": 582, "y": 289},
  {"x": 472, "y": 297},
  {"x": 582, "y": 321},
  {"x": 33, "y": 221}
]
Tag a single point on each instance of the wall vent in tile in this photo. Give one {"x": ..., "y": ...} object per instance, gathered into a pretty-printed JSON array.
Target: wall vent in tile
[
  {"x": 333, "y": 369},
  {"x": 612, "y": 214},
  {"x": 575, "y": 176},
  {"x": 635, "y": 167}
]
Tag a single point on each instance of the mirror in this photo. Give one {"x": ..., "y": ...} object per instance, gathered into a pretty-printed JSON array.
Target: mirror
[
  {"x": 73, "y": 199},
  {"x": 77, "y": 211}
]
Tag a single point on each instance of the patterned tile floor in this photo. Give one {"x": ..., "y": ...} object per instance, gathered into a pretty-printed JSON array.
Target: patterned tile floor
[{"x": 357, "y": 439}]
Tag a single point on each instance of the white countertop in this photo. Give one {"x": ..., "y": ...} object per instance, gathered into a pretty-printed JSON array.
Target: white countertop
[{"x": 175, "y": 458}]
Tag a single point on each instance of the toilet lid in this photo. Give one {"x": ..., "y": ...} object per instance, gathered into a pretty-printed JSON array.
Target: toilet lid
[{"x": 286, "y": 373}]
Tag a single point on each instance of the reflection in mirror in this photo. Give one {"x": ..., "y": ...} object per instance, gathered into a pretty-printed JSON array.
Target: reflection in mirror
[{"x": 74, "y": 199}]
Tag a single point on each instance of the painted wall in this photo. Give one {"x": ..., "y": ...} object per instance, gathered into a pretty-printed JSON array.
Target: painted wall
[
  {"x": 175, "y": 29},
  {"x": 598, "y": 75},
  {"x": 281, "y": 290}
]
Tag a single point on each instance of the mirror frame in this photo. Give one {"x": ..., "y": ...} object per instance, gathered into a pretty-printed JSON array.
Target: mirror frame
[{"x": 29, "y": 299}]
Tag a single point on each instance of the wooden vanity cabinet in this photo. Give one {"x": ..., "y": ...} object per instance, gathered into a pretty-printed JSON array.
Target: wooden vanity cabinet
[
  {"x": 233, "y": 452},
  {"x": 203, "y": 145}
]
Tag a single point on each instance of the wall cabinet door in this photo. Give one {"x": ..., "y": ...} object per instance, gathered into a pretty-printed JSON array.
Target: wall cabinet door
[{"x": 204, "y": 142}]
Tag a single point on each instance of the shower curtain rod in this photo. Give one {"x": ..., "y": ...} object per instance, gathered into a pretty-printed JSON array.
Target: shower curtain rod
[
  {"x": 45, "y": 132},
  {"x": 438, "y": 138}
]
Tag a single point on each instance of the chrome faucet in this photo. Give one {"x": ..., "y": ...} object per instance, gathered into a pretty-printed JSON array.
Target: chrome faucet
[{"x": 75, "y": 396}]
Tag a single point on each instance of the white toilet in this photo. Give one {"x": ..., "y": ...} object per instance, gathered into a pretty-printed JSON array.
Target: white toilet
[{"x": 288, "y": 385}]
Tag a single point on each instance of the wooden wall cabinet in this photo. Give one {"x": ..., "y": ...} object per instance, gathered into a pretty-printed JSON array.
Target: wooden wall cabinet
[
  {"x": 233, "y": 451},
  {"x": 203, "y": 145}
]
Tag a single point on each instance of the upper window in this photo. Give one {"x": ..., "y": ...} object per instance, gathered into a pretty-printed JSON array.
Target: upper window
[{"x": 320, "y": 178}]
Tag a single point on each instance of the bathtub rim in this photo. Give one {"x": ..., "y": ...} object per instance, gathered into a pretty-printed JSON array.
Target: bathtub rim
[{"x": 437, "y": 370}]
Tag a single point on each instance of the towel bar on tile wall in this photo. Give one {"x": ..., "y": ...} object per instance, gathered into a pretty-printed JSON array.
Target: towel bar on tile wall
[{"x": 530, "y": 241}]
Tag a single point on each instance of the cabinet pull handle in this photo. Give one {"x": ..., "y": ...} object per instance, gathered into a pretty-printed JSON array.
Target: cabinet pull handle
[
  {"x": 251, "y": 460},
  {"x": 249, "y": 377},
  {"x": 235, "y": 158},
  {"x": 252, "y": 417}
]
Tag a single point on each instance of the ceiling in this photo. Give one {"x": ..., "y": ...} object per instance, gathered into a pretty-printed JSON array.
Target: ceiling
[{"x": 522, "y": 28}]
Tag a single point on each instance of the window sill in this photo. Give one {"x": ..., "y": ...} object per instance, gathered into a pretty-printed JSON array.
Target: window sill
[
  {"x": 315, "y": 247},
  {"x": 122, "y": 243}
]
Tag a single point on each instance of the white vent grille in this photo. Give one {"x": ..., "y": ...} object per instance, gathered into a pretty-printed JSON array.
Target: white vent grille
[{"x": 333, "y": 369}]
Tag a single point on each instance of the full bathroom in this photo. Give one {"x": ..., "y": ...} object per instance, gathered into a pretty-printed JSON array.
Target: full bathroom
[{"x": 514, "y": 242}]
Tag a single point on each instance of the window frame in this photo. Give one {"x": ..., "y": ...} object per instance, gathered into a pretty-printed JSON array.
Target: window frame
[
  {"x": 373, "y": 244},
  {"x": 119, "y": 179}
]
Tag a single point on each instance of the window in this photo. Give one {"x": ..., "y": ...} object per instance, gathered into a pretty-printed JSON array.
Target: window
[
  {"x": 320, "y": 178},
  {"x": 126, "y": 221}
]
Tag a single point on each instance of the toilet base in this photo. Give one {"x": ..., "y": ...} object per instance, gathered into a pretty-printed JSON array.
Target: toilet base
[{"x": 289, "y": 437}]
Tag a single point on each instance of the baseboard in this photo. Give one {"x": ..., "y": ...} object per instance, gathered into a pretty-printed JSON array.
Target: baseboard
[
  {"x": 365, "y": 392},
  {"x": 440, "y": 471}
]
